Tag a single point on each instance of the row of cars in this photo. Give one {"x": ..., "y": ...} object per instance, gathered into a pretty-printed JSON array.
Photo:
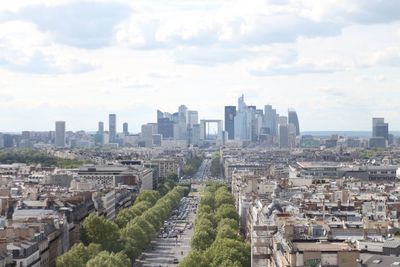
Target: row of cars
[{"x": 177, "y": 223}]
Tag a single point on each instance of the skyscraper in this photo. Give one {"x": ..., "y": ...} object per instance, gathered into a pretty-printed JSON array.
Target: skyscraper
[
  {"x": 60, "y": 134},
  {"x": 193, "y": 118},
  {"x": 99, "y": 138},
  {"x": 182, "y": 122},
  {"x": 283, "y": 128},
  {"x": 112, "y": 127},
  {"x": 380, "y": 133},
  {"x": 230, "y": 113},
  {"x": 147, "y": 134},
  {"x": 125, "y": 128},
  {"x": 283, "y": 135},
  {"x": 375, "y": 122},
  {"x": 243, "y": 120},
  {"x": 292, "y": 115},
  {"x": 270, "y": 119},
  {"x": 165, "y": 127},
  {"x": 100, "y": 129}
]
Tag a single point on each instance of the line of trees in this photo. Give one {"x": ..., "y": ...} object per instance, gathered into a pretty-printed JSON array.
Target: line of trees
[
  {"x": 31, "y": 156},
  {"x": 118, "y": 243},
  {"x": 216, "y": 240},
  {"x": 137, "y": 233},
  {"x": 216, "y": 165},
  {"x": 192, "y": 165}
]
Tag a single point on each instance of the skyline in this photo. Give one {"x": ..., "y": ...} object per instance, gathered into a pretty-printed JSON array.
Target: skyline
[
  {"x": 120, "y": 125},
  {"x": 336, "y": 63}
]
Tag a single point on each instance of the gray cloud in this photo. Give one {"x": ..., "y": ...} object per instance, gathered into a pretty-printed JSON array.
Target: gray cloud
[
  {"x": 374, "y": 11},
  {"x": 39, "y": 63},
  {"x": 80, "y": 24}
]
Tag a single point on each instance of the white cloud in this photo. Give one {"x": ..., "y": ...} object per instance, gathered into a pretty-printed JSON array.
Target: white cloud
[
  {"x": 132, "y": 57},
  {"x": 79, "y": 24},
  {"x": 389, "y": 56},
  {"x": 23, "y": 48}
]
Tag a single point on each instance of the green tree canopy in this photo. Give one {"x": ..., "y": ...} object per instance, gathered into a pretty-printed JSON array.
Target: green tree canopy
[
  {"x": 195, "y": 258},
  {"x": 226, "y": 231},
  {"x": 78, "y": 255},
  {"x": 228, "y": 250},
  {"x": 202, "y": 239},
  {"x": 106, "y": 259},
  {"x": 226, "y": 211},
  {"x": 207, "y": 199},
  {"x": 98, "y": 230},
  {"x": 232, "y": 223},
  {"x": 222, "y": 196},
  {"x": 150, "y": 196}
]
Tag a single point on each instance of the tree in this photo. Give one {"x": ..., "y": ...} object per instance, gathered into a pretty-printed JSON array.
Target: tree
[
  {"x": 195, "y": 258},
  {"x": 215, "y": 165},
  {"x": 202, "y": 239},
  {"x": 222, "y": 196},
  {"x": 207, "y": 199},
  {"x": 98, "y": 230},
  {"x": 226, "y": 211},
  {"x": 232, "y": 223},
  {"x": 134, "y": 239},
  {"x": 142, "y": 206},
  {"x": 228, "y": 250},
  {"x": 126, "y": 215},
  {"x": 146, "y": 226},
  {"x": 204, "y": 222},
  {"x": 154, "y": 218},
  {"x": 78, "y": 255},
  {"x": 204, "y": 209},
  {"x": 226, "y": 231},
  {"x": 150, "y": 196},
  {"x": 106, "y": 259}
]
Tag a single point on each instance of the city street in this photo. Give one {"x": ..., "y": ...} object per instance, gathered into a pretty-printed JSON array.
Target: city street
[{"x": 169, "y": 251}]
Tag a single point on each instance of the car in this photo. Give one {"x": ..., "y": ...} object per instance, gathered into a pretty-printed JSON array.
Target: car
[{"x": 175, "y": 261}]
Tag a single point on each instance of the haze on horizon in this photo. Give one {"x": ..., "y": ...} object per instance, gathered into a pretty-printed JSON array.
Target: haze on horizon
[{"x": 335, "y": 62}]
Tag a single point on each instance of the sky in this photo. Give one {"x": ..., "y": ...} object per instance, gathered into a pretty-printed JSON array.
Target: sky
[{"x": 335, "y": 61}]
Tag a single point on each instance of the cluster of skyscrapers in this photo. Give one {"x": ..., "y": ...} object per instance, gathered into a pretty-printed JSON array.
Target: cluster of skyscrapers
[
  {"x": 261, "y": 125},
  {"x": 182, "y": 125},
  {"x": 243, "y": 123}
]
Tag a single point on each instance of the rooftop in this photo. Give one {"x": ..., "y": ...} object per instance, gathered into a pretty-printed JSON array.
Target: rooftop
[{"x": 322, "y": 246}]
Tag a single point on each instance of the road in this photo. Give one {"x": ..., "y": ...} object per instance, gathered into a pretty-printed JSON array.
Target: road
[
  {"x": 204, "y": 170},
  {"x": 163, "y": 251}
]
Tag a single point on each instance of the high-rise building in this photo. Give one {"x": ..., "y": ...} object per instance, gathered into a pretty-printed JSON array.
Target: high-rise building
[
  {"x": 60, "y": 134},
  {"x": 243, "y": 120},
  {"x": 270, "y": 119},
  {"x": 125, "y": 128},
  {"x": 165, "y": 127},
  {"x": 99, "y": 138},
  {"x": 112, "y": 128},
  {"x": 380, "y": 133},
  {"x": 283, "y": 135},
  {"x": 376, "y": 121},
  {"x": 100, "y": 129},
  {"x": 282, "y": 120},
  {"x": 230, "y": 113},
  {"x": 196, "y": 132},
  {"x": 160, "y": 115},
  {"x": 193, "y": 118},
  {"x": 147, "y": 134},
  {"x": 292, "y": 115},
  {"x": 182, "y": 122}
]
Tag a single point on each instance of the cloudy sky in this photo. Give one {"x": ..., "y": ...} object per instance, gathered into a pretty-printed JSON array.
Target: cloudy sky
[{"x": 335, "y": 61}]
